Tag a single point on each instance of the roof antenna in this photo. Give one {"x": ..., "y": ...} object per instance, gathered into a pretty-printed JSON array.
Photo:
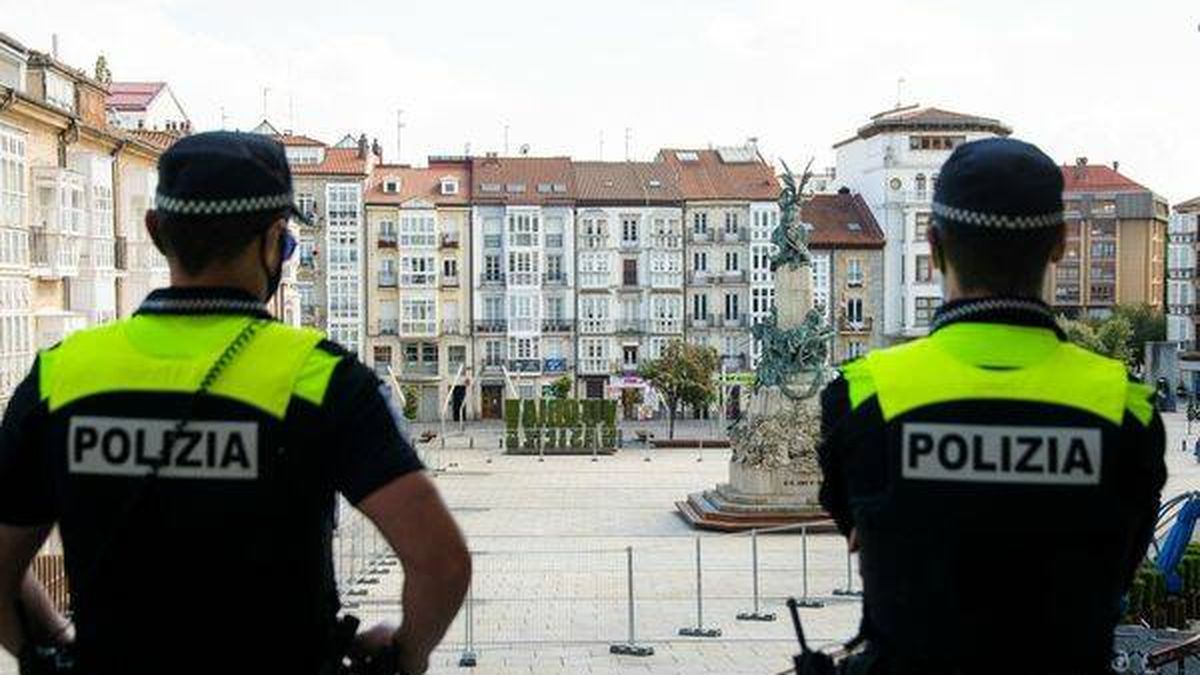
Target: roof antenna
[
  {"x": 628, "y": 132},
  {"x": 899, "y": 93}
]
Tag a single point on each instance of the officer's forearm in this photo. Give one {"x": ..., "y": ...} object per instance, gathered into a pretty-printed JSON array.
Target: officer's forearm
[
  {"x": 431, "y": 599},
  {"x": 28, "y": 614}
]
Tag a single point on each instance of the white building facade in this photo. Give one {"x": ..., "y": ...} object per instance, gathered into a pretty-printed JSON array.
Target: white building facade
[
  {"x": 893, "y": 161},
  {"x": 1181, "y": 275}
]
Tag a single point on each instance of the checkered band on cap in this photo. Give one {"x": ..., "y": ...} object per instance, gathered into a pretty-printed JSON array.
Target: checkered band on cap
[
  {"x": 996, "y": 220},
  {"x": 220, "y": 207}
]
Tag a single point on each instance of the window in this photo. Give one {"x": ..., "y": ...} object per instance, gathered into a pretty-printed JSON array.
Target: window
[
  {"x": 731, "y": 222},
  {"x": 382, "y": 355},
  {"x": 1104, "y": 249},
  {"x": 493, "y": 309},
  {"x": 12, "y": 178},
  {"x": 629, "y": 275},
  {"x": 854, "y": 272},
  {"x": 449, "y": 186},
  {"x": 629, "y": 356},
  {"x": 854, "y": 311},
  {"x": 921, "y": 233},
  {"x": 391, "y": 185},
  {"x": 594, "y": 269},
  {"x": 491, "y": 268},
  {"x": 700, "y": 223},
  {"x": 523, "y": 268},
  {"x": 924, "y": 269},
  {"x": 925, "y": 307},
  {"x": 700, "y": 261},
  {"x": 762, "y": 299},
  {"x": 666, "y": 311},
  {"x": 418, "y": 316},
  {"x": 489, "y": 187},
  {"x": 307, "y": 203},
  {"x": 524, "y": 348},
  {"x": 554, "y": 232},
  {"x": 732, "y": 261},
  {"x": 514, "y": 188},
  {"x": 493, "y": 352},
  {"x": 417, "y": 230},
  {"x": 761, "y": 259},
  {"x": 523, "y": 312},
  {"x": 593, "y": 230},
  {"x": 555, "y": 309},
  {"x": 523, "y": 229},
  {"x": 629, "y": 230},
  {"x": 920, "y": 181},
  {"x": 820, "y": 282},
  {"x": 699, "y": 307},
  {"x": 450, "y": 268},
  {"x": 456, "y": 355},
  {"x": 935, "y": 142},
  {"x": 60, "y": 91},
  {"x": 855, "y": 349},
  {"x": 731, "y": 307},
  {"x": 387, "y": 232},
  {"x": 554, "y": 268},
  {"x": 418, "y": 271},
  {"x": 387, "y": 272}
]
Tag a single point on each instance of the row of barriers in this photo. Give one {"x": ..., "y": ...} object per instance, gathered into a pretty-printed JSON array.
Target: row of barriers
[{"x": 629, "y": 598}]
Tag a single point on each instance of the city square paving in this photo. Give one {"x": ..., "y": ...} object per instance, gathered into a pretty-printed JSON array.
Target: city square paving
[{"x": 551, "y": 542}]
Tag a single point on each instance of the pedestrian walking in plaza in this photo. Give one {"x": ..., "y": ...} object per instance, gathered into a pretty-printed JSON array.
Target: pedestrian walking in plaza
[
  {"x": 1000, "y": 484},
  {"x": 192, "y": 455}
]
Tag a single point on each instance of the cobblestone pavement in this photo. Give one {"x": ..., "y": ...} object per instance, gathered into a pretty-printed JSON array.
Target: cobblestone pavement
[{"x": 551, "y": 564}]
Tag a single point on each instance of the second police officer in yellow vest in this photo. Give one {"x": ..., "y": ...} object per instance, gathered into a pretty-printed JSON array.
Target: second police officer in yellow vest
[{"x": 1000, "y": 484}]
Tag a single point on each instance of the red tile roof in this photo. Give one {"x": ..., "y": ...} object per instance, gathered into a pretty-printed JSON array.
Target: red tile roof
[
  {"x": 916, "y": 118},
  {"x": 297, "y": 140},
  {"x": 709, "y": 177},
  {"x": 419, "y": 183},
  {"x": 159, "y": 139},
  {"x": 626, "y": 183},
  {"x": 534, "y": 180},
  {"x": 841, "y": 221},
  {"x": 1096, "y": 178},
  {"x": 338, "y": 161},
  {"x": 132, "y": 95}
]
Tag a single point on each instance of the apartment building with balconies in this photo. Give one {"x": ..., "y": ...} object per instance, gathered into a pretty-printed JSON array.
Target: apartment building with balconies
[
  {"x": 1182, "y": 314},
  {"x": 418, "y": 240},
  {"x": 330, "y": 183},
  {"x": 522, "y": 276},
  {"x": 629, "y": 252},
  {"x": 66, "y": 207},
  {"x": 847, "y": 248},
  {"x": 1116, "y": 242},
  {"x": 729, "y": 193},
  {"x": 893, "y": 162}
]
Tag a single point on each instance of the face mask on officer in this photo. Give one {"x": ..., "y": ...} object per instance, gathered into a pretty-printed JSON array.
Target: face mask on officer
[{"x": 285, "y": 245}]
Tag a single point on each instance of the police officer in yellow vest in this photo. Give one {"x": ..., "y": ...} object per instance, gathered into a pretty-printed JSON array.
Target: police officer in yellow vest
[
  {"x": 191, "y": 457},
  {"x": 1000, "y": 484}
]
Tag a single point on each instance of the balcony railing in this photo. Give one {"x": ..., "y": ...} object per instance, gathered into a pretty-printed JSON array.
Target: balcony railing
[
  {"x": 491, "y": 326},
  {"x": 631, "y": 326},
  {"x": 525, "y": 365},
  {"x": 860, "y": 326},
  {"x": 452, "y": 327},
  {"x": 554, "y": 325},
  {"x": 493, "y": 240},
  {"x": 387, "y": 280},
  {"x": 450, "y": 240},
  {"x": 387, "y": 241},
  {"x": 493, "y": 280},
  {"x": 418, "y": 328},
  {"x": 706, "y": 321},
  {"x": 1183, "y": 273},
  {"x": 739, "y": 235},
  {"x": 733, "y": 276},
  {"x": 698, "y": 237},
  {"x": 738, "y": 321},
  {"x": 493, "y": 363},
  {"x": 556, "y": 280},
  {"x": 55, "y": 255},
  {"x": 419, "y": 368},
  {"x": 449, "y": 282},
  {"x": 666, "y": 279},
  {"x": 556, "y": 365},
  {"x": 668, "y": 326},
  {"x": 595, "y": 366},
  {"x": 628, "y": 244},
  {"x": 595, "y": 326},
  {"x": 389, "y": 327}
]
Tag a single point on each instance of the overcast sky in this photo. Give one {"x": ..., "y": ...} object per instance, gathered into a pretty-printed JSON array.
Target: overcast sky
[{"x": 1099, "y": 78}]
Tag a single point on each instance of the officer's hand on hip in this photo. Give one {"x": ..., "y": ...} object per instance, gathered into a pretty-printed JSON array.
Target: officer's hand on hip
[{"x": 378, "y": 651}]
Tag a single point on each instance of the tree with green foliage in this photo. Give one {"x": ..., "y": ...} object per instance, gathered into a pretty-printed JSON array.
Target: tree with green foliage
[
  {"x": 412, "y": 395},
  {"x": 561, "y": 388},
  {"x": 1110, "y": 337},
  {"x": 684, "y": 375},
  {"x": 1146, "y": 324}
]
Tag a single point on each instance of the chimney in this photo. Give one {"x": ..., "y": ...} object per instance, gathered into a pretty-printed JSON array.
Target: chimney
[
  {"x": 362, "y": 146},
  {"x": 1081, "y": 161},
  {"x": 1116, "y": 165},
  {"x": 377, "y": 149},
  {"x": 54, "y": 45}
]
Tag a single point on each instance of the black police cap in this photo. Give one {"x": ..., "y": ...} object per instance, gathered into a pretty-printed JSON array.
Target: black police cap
[
  {"x": 999, "y": 183},
  {"x": 223, "y": 173}
]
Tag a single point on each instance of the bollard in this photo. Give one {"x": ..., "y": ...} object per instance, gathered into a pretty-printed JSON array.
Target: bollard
[
  {"x": 631, "y": 648},
  {"x": 595, "y": 446},
  {"x": 699, "y": 451},
  {"x": 699, "y": 630},
  {"x": 756, "y": 615},
  {"x": 541, "y": 449},
  {"x": 468, "y": 658},
  {"x": 804, "y": 600},
  {"x": 849, "y": 589}
]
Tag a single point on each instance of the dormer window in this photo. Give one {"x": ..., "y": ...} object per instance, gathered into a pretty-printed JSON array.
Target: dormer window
[
  {"x": 60, "y": 91},
  {"x": 391, "y": 185},
  {"x": 449, "y": 186}
]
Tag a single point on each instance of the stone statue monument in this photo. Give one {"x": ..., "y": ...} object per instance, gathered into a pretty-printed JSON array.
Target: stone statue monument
[{"x": 773, "y": 470}]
